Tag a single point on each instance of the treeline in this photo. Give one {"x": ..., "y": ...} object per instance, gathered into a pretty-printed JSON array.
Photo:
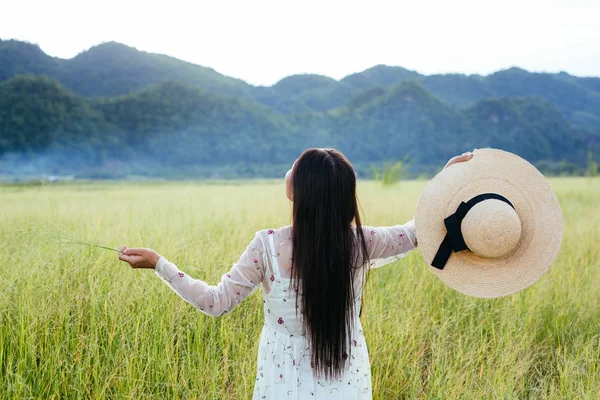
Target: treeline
[
  {"x": 115, "y": 110},
  {"x": 175, "y": 125},
  {"x": 113, "y": 69}
]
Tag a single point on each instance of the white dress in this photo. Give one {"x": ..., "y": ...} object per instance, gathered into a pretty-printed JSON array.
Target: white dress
[{"x": 284, "y": 368}]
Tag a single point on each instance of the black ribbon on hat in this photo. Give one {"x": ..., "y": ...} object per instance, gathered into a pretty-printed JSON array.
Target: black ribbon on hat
[{"x": 454, "y": 240}]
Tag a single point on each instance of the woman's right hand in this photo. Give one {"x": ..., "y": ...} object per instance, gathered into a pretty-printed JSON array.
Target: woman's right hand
[
  {"x": 462, "y": 158},
  {"x": 139, "y": 258}
]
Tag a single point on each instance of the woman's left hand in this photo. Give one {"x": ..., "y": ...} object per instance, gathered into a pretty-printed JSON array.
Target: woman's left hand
[
  {"x": 139, "y": 258},
  {"x": 462, "y": 158}
]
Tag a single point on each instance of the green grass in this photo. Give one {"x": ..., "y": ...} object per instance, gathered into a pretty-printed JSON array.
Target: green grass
[{"x": 76, "y": 323}]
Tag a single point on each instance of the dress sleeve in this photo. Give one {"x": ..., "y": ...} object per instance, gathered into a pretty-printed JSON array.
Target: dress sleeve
[
  {"x": 389, "y": 243},
  {"x": 242, "y": 280}
]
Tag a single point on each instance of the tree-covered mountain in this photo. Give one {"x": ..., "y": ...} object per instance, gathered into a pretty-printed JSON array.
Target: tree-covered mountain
[
  {"x": 172, "y": 125},
  {"x": 37, "y": 113},
  {"x": 112, "y": 69},
  {"x": 114, "y": 105}
]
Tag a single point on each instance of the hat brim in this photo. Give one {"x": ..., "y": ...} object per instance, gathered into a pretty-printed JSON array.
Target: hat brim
[{"x": 492, "y": 171}]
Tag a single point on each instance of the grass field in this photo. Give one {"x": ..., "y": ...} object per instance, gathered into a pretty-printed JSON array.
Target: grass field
[{"x": 76, "y": 323}]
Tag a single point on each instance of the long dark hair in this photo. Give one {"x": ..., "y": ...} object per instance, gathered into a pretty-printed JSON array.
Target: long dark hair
[{"x": 326, "y": 254}]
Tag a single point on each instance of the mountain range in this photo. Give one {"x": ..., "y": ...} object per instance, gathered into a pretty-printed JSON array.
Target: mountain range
[{"x": 113, "y": 106}]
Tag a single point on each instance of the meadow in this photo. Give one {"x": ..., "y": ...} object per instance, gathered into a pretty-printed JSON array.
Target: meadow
[{"x": 75, "y": 323}]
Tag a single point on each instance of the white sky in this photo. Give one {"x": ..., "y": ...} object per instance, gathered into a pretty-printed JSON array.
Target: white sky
[{"x": 263, "y": 41}]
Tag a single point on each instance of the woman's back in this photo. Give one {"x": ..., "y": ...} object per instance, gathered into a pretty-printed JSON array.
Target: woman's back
[
  {"x": 284, "y": 368},
  {"x": 284, "y": 355},
  {"x": 277, "y": 290}
]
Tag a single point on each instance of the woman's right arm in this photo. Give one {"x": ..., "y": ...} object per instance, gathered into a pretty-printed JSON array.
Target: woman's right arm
[{"x": 243, "y": 278}]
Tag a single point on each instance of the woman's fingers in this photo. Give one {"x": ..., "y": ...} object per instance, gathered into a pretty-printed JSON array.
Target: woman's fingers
[
  {"x": 139, "y": 257},
  {"x": 124, "y": 255},
  {"x": 133, "y": 261},
  {"x": 463, "y": 157},
  {"x": 136, "y": 251}
]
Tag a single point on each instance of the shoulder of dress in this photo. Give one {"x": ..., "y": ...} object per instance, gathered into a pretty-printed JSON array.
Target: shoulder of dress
[
  {"x": 365, "y": 228},
  {"x": 284, "y": 232}
]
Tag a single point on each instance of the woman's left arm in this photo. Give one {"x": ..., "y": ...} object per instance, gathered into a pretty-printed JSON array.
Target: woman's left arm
[
  {"x": 244, "y": 277},
  {"x": 389, "y": 243}
]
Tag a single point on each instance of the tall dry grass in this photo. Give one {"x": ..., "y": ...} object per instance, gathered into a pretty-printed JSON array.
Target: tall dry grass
[{"x": 75, "y": 323}]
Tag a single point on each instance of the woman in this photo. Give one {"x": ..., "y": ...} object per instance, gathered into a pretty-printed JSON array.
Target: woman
[{"x": 312, "y": 274}]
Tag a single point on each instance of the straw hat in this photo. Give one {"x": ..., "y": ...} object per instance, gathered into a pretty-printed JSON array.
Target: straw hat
[{"x": 511, "y": 231}]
